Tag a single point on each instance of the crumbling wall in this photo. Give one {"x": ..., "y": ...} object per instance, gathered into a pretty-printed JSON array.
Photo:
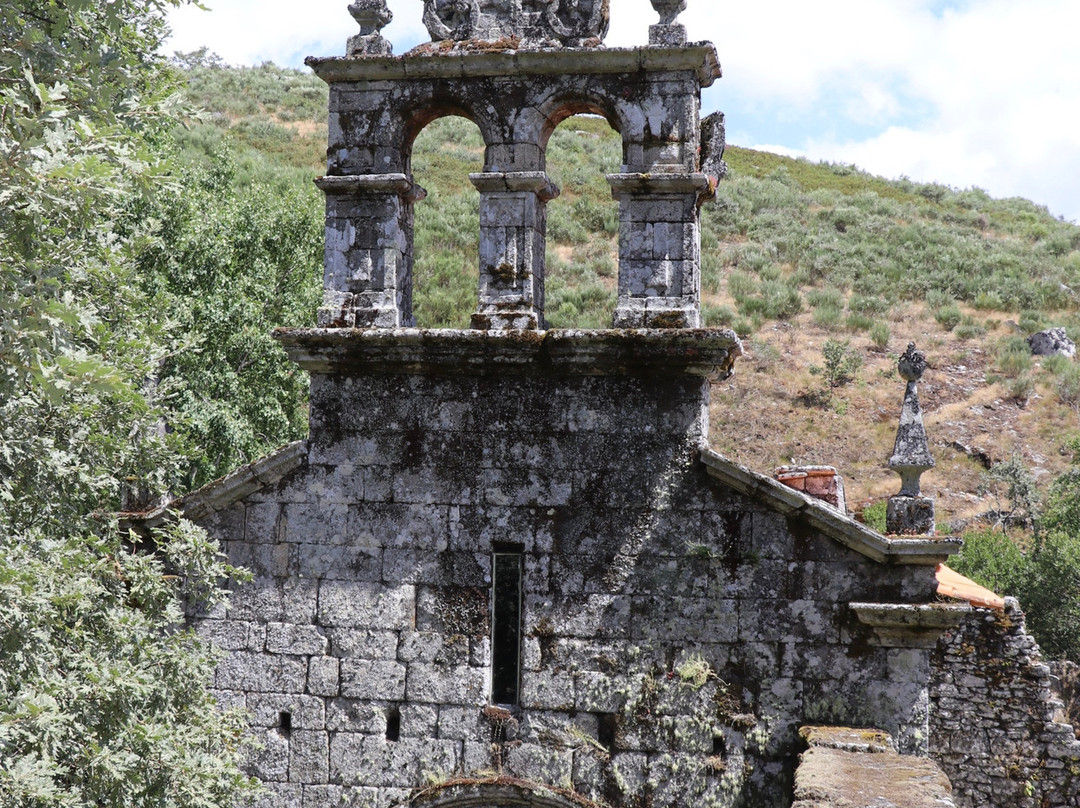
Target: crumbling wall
[
  {"x": 993, "y": 712},
  {"x": 676, "y": 633}
]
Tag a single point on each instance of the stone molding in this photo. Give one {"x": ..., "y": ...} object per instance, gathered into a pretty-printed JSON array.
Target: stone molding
[
  {"x": 365, "y": 184},
  {"x": 908, "y": 625},
  {"x": 842, "y": 528},
  {"x": 609, "y": 352},
  {"x": 424, "y": 63}
]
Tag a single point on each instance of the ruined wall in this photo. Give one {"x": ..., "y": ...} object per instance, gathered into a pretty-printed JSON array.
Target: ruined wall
[
  {"x": 675, "y": 634},
  {"x": 993, "y": 715}
]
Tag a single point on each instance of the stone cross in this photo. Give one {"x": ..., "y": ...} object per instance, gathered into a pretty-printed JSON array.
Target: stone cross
[{"x": 910, "y": 513}]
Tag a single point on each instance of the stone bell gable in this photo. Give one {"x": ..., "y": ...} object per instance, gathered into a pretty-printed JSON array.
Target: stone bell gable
[
  {"x": 517, "y": 97},
  {"x": 505, "y": 568}
]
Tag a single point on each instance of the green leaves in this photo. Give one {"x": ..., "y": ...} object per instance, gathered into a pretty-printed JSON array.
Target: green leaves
[{"x": 99, "y": 704}]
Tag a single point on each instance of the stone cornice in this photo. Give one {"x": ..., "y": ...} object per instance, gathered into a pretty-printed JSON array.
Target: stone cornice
[
  {"x": 709, "y": 352},
  {"x": 429, "y": 62},
  {"x": 909, "y": 625},
  {"x": 842, "y": 528}
]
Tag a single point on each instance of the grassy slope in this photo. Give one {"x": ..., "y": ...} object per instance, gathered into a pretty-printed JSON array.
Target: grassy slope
[{"x": 794, "y": 254}]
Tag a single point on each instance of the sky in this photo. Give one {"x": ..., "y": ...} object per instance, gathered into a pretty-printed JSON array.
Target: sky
[{"x": 970, "y": 93}]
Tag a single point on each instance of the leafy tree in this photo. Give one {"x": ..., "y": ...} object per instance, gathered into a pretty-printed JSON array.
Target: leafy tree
[
  {"x": 1046, "y": 578},
  {"x": 99, "y": 704},
  {"x": 234, "y": 262},
  {"x": 103, "y": 700}
]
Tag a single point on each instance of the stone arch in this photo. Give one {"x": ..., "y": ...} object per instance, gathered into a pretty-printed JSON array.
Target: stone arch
[
  {"x": 429, "y": 109},
  {"x": 561, "y": 106},
  {"x": 503, "y": 792},
  {"x": 443, "y": 244}
]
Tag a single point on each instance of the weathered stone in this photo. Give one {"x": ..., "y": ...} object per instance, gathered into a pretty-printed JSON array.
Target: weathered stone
[{"x": 1052, "y": 341}]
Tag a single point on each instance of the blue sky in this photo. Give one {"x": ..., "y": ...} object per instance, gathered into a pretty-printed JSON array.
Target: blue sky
[{"x": 979, "y": 93}]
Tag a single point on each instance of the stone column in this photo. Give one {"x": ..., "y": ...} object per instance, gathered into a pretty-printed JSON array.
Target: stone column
[
  {"x": 909, "y": 512},
  {"x": 659, "y": 249},
  {"x": 513, "y": 212},
  {"x": 367, "y": 280}
]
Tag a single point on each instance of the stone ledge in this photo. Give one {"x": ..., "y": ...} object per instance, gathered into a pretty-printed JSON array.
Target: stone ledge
[
  {"x": 699, "y": 57},
  {"x": 842, "y": 528},
  {"x": 831, "y": 775},
  {"x": 908, "y": 625},
  {"x": 709, "y": 352}
]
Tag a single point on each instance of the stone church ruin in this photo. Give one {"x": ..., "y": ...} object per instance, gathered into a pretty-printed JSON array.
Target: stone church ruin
[{"x": 507, "y": 569}]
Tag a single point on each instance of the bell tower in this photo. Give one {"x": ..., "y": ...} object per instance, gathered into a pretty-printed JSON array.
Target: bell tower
[{"x": 516, "y": 68}]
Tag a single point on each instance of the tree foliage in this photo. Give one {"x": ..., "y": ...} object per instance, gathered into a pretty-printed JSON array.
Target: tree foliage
[
  {"x": 1045, "y": 578},
  {"x": 103, "y": 700}
]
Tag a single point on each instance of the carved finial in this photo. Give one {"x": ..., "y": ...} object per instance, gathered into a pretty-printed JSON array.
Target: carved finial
[
  {"x": 372, "y": 16},
  {"x": 912, "y": 364},
  {"x": 668, "y": 34},
  {"x": 909, "y": 512},
  {"x": 669, "y": 10}
]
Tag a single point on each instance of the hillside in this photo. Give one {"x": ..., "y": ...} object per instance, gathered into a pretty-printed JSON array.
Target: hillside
[{"x": 795, "y": 254}]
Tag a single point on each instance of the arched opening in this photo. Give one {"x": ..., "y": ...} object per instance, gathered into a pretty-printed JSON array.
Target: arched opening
[
  {"x": 446, "y": 225},
  {"x": 583, "y": 222}
]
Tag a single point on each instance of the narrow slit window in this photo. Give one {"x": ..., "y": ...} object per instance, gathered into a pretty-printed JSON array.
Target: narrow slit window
[{"x": 506, "y": 574}]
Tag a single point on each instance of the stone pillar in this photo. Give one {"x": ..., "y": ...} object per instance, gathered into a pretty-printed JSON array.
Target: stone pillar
[
  {"x": 659, "y": 249},
  {"x": 909, "y": 512},
  {"x": 513, "y": 212},
  {"x": 367, "y": 280}
]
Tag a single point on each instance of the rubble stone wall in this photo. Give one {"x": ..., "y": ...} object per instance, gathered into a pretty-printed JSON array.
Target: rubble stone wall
[
  {"x": 675, "y": 634},
  {"x": 995, "y": 720}
]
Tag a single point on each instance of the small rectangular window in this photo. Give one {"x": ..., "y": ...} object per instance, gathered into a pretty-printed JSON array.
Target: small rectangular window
[{"x": 506, "y": 575}]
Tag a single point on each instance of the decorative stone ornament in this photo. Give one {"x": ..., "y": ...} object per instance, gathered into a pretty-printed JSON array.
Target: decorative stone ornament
[
  {"x": 668, "y": 34},
  {"x": 669, "y": 10},
  {"x": 546, "y": 23},
  {"x": 909, "y": 512},
  {"x": 372, "y": 16}
]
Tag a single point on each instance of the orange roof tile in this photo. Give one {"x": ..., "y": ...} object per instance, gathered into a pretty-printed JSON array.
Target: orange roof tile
[{"x": 952, "y": 584}]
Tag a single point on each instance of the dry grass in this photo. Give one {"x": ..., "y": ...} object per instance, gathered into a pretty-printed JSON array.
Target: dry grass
[{"x": 766, "y": 414}]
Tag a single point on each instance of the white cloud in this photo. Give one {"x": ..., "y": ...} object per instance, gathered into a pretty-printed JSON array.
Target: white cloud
[{"x": 968, "y": 92}]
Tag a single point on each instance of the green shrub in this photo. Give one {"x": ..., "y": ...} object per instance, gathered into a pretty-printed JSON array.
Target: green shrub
[
  {"x": 869, "y": 304},
  {"x": 858, "y": 322},
  {"x": 874, "y": 516},
  {"x": 781, "y": 300},
  {"x": 1067, "y": 384},
  {"x": 1013, "y": 356},
  {"x": 826, "y": 296},
  {"x": 1032, "y": 321},
  {"x": 949, "y": 316},
  {"x": 988, "y": 301},
  {"x": 969, "y": 329},
  {"x": 841, "y": 363},
  {"x": 741, "y": 285},
  {"x": 717, "y": 315},
  {"x": 879, "y": 335},
  {"x": 827, "y": 316}
]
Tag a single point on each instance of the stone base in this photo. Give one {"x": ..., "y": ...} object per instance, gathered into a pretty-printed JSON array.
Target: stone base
[
  {"x": 667, "y": 36},
  {"x": 910, "y": 516},
  {"x": 520, "y": 320},
  {"x": 656, "y": 318}
]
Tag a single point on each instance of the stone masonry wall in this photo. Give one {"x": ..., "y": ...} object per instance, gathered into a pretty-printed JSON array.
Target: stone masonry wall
[
  {"x": 676, "y": 634},
  {"x": 993, "y": 727}
]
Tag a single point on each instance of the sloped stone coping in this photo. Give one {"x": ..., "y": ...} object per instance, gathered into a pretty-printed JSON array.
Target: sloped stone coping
[
  {"x": 923, "y": 551},
  {"x": 425, "y": 64},
  {"x": 909, "y": 625},
  {"x": 223, "y": 492},
  {"x": 709, "y": 352},
  {"x": 833, "y": 775}
]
